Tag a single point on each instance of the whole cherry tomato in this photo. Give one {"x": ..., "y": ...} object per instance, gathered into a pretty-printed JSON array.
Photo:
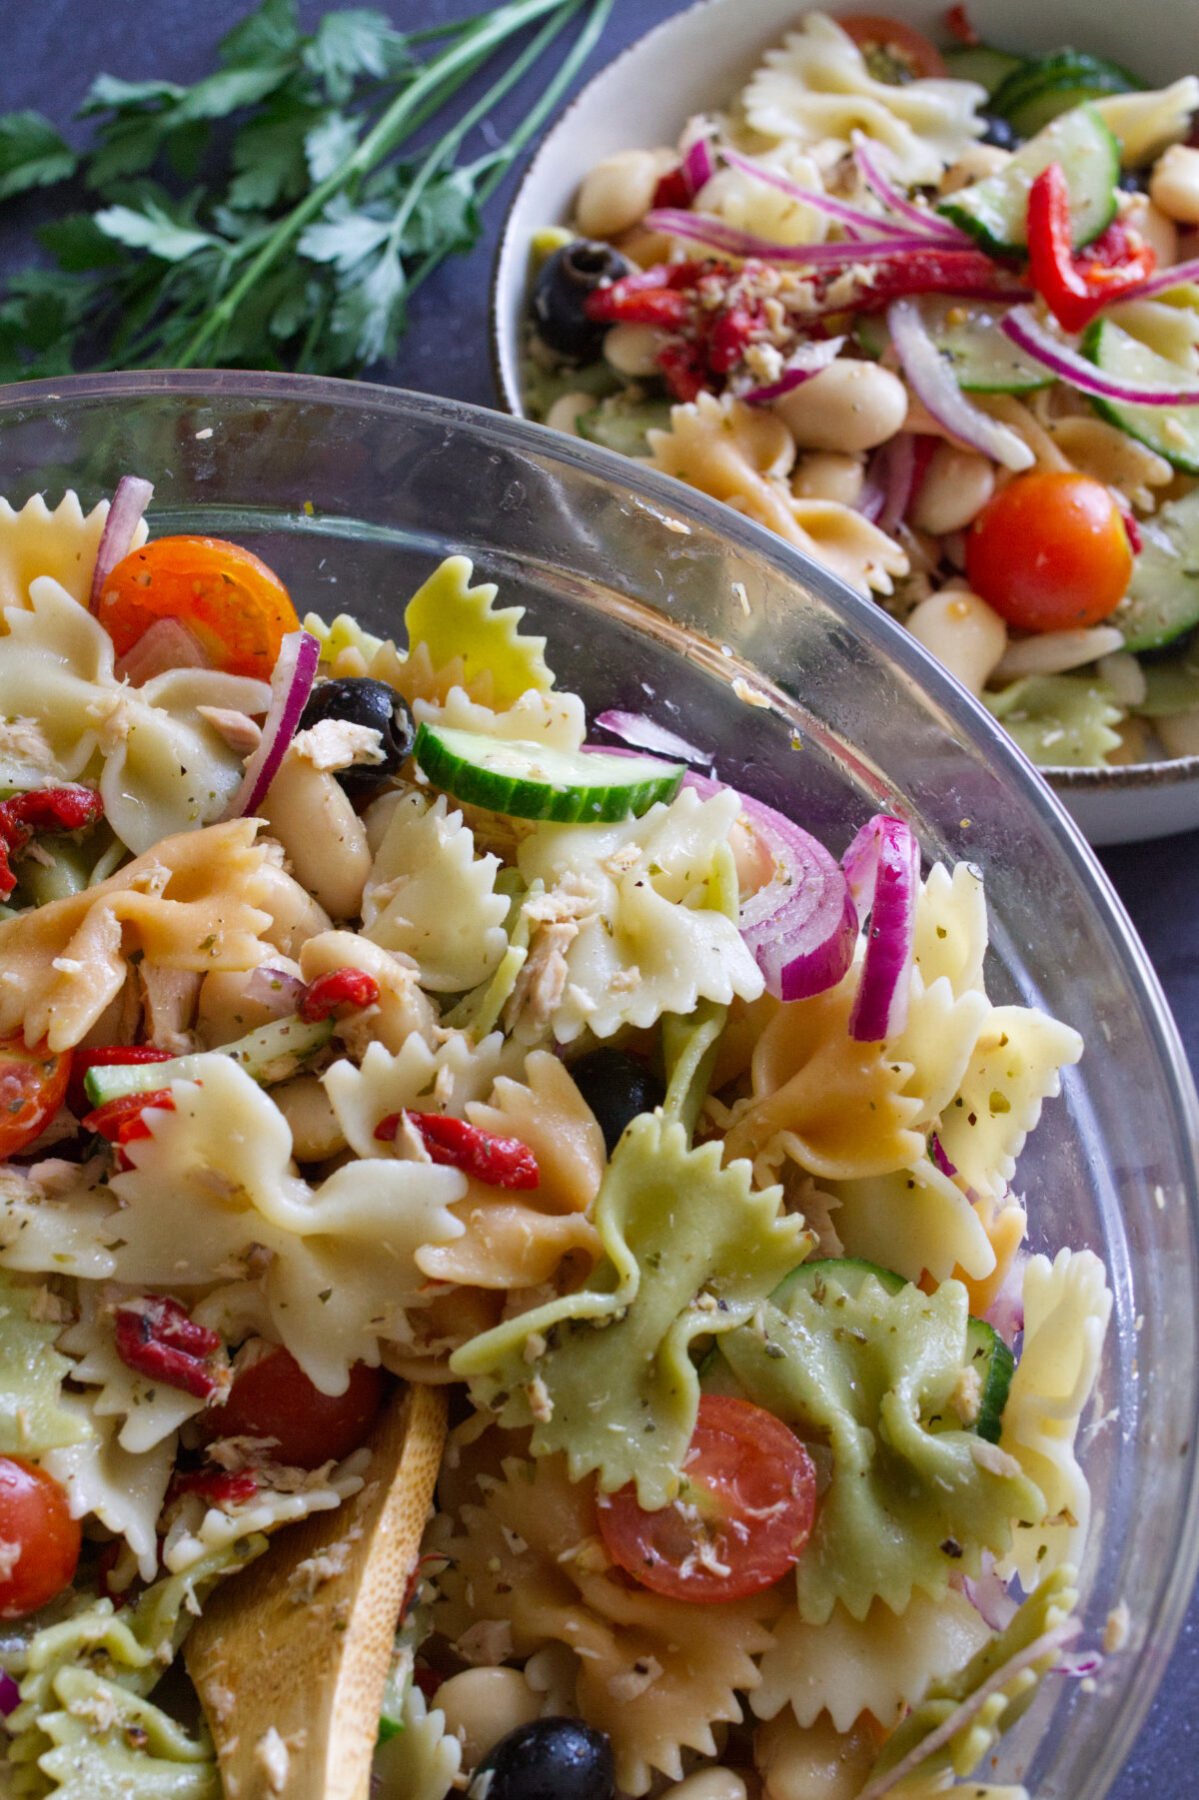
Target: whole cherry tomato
[
  {"x": 273, "y": 1398},
  {"x": 1050, "y": 553},
  {"x": 236, "y": 607},
  {"x": 36, "y": 1522}
]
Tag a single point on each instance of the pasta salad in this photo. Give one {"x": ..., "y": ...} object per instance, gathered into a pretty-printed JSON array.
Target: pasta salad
[
  {"x": 362, "y": 1024},
  {"x": 934, "y": 319}
]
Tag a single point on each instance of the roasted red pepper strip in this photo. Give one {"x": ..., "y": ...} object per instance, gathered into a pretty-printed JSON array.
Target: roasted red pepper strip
[
  {"x": 41, "y": 809},
  {"x": 353, "y": 988},
  {"x": 157, "y": 1337},
  {"x": 499, "y": 1162},
  {"x": 657, "y": 296},
  {"x": 106, "y": 1056},
  {"x": 215, "y": 1485},
  {"x": 957, "y": 24},
  {"x": 1076, "y": 288},
  {"x": 673, "y": 189},
  {"x": 732, "y": 332},
  {"x": 121, "y": 1120},
  {"x": 933, "y": 271},
  {"x": 683, "y": 369}
]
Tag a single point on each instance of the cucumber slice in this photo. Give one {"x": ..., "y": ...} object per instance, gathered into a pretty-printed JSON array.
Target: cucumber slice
[
  {"x": 1162, "y": 601},
  {"x": 1170, "y": 687},
  {"x": 848, "y": 1272},
  {"x": 270, "y": 1054},
  {"x": 995, "y": 211},
  {"x": 395, "y": 1692},
  {"x": 987, "y": 1352},
  {"x": 533, "y": 781},
  {"x": 985, "y": 362},
  {"x": 621, "y": 424},
  {"x": 1051, "y": 85},
  {"x": 979, "y": 62},
  {"x": 870, "y": 332},
  {"x": 1173, "y": 431}
]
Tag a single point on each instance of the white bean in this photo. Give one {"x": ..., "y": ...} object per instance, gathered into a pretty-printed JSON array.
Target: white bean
[
  {"x": 1180, "y": 734},
  {"x": 619, "y": 191},
  {"x": 1125, "y": 676},
  {"x": 1174, "y": 184},
  {"x": 956, "y": 486},
  {"x": 483, "y": 1705},
  {"x": 1053, "y": 652},
  {"x": 708, "y": 1784},
  {"x": 813, "y": 1762},
  {"x": 633, "y": 349},
  {"x": 828, "y": 475},
  {"x": 563, "y": 415},
  {"x": 848, "y": 406},
  {"x": 305, "y": 1105},
  {"x": 402, "y": 1007},
  {"x": 975, "y": 163},
  {"x": 325, "y": 840},
  {"x": 226, "y": 1011},
  {"x": 966, "y": 635},
  {"x": 295, "y": 915}
]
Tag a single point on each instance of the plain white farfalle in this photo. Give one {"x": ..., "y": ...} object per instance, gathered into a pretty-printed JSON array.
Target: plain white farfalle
[
  {"x": 163, "y": 767},
  {"x": 197, "y": 901},
  {"x": 1147, "y": 124},
  {"x": 62, "y": 543},
  {"x": 937, "y": 1040},
  {"x": 539, "y": 716},
  {"x": 284, "y": 1496},
  {"x": 762, "y": 209},
  {"x": 51, "y": 1214},
  {"x": 816, "y": 90},
  {"x": 881, "y": 1664},
  {"x": 416, "y": 1078},
  {"x": 1014, "y": 1068},
  {"x": 1112, "y": 456},
  {"x": 430, "y": 897},
  {"x": 1067, "y": 1304},
  {"x": 720, "y": 447},
  {"x": 419, "y": 1762},
  {"x": 650, "y": 941},
  {"x": 950, "y": 939},
  {"x": 816, "y": 1762},
  {"x": 123, "y": 1489},
  {"x": 147, "y": 1409},
  {"x": 913, "y": 1220}
]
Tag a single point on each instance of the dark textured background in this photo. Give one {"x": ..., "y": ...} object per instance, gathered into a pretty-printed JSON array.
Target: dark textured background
[{"x": 50, "y": 51}]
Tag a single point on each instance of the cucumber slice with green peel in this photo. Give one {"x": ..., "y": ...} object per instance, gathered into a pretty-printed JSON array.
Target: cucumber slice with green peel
[
  {"x": 995, "y": 211},
  {"x": 621, "y": 424},
  {"x": 987, "y": 1353},
  {"x": 1051, "y": 85},
  {"x": 979, "y": 62},
  {"x": 849, "y": 1273},
  {"x": 871, "y": 334},
  {"x": 1173, "y": 431},
  {"x": 1162, "y": 601},
  {"x": 270, "y": 1054},
  {"x": 535, "y": 781},
  {"x": 395, "y": 1692},
  {"x": 1170, "y": 687},
  {"x": 968, "y": 336}
]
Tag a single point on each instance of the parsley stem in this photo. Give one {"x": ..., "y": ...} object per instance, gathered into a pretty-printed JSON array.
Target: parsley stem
[{"x": 396, "y": 123}]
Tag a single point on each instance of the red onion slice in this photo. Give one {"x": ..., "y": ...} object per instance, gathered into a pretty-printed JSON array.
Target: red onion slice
[
  {"x": 1025, "y": 330},
  {"x": 291, "y": 684},
  {"x": 167, "y": 644},
  {"x": 988, "y": 1595},
  {"x": 934, "y": 382},
  {"x": 701, "y": 228},
  {"x": 698, "y": 164},
  {"x": 130, "y": 499},
  {"x": 852, "y": 217},
  {"x": 936, "y": 1150},
  {"x": 807, "y": 361},
  {"x": 882, "y": 868},
  {"x": 1006, "y": 1311},
  {"x": 1160, "y": 282},
  {"x": 277, "y": 989},
  {"x": 10, "y": 1694},
  {"x": 802, "y": 926},
  {"x": 647, "y": 734},
  {"x": 870, "y": 159}
]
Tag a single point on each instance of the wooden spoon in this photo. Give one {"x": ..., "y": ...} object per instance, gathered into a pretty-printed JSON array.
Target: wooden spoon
[{"x": 291, "y": 1655}]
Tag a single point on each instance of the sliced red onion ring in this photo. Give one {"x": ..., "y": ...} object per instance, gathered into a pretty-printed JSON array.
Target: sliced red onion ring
[
  {"x": 941, "y": 1161},
  {"x": 1025, "y": 330},
  {"x": 1160, "y": 282},
  {"x": 873, "y": 496},
  {"x": 1006, "y": 1311},
  {"x": 701, "y": 228},
  {"x": 10, "y": 1694},
  {"x": 291, "y": 684},
  {"x": 698, "y": 164},
  {"x": 988, "y": 1595},
  {"x": 871, "y": 159},
  {"x": 934, "y": 382},
  {"x": 275, "y": 988},
  {"x": 852, "y": 217},
  {"x": 807, "y": 361},
  {"x": 1078, "y": 1663},
  {"x": 882, "y": 868},
  {"x": 130, "y": 499},
  {"x": 167, "y": 644},
  {"x": 802, "y": 926},
  {"x": 646, "y": 734}
]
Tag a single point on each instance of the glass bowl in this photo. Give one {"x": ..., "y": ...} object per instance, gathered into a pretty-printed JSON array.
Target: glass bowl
[{"x": 658, "y": 600}]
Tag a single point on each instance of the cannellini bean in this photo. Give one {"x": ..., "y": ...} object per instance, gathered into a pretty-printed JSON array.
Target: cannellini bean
[
  {"x": 962, "y": 632},
  {"x": 1053, "y": 652},
  {"x": 643, "y": 248},
  {"x": 848, "y": 406},
  {"x": 483, "y": 1705},
  {"x": 402, "y": 1007},
  {"x": 957, "y": 485},
  {"x": 325, "y": 840},
  {"x": 295, "y": 915},
  {"x": 633, "y": 349},
  {"x": 975, "y": 163},
  {"x": 814, "y": 1762},
  {"x": 305, "y": 1105},
  {"x": 619, "y": 191},
  {"x": 1124, "y": 676},
  {"x": 1180, "y": 734},
  {"x": 709, "y": 1784},
  {"x": 563, "y": 415},
  {"x": 828, "y": 475},
  {"x": 1174, "y": 184},
  {"x": 226, "y": 1012},
  {"x": 1155, "y": 226}
]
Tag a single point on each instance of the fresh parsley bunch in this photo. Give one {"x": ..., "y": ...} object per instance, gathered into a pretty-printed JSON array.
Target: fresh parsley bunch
[{"x": 273, "y": 214}]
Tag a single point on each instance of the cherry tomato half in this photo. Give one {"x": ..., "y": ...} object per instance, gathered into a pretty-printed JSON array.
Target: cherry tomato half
[
  {"x": 237, "y": 607},
  {"x": 742, "y": 1519},
  {"x": 893, "y": 44},
  {"x": 274, "y": 1398},
  {"x": 32, "y": 1085},
  {"x": 1050, "y": 553},
  {"x": 34, "y": 1517}
]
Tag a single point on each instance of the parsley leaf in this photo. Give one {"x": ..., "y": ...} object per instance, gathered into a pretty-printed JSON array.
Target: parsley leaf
[{"x": 31, "y": 154}]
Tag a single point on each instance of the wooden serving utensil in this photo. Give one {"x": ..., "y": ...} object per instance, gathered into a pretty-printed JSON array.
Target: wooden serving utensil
[{"x": 291, "y": 1655}]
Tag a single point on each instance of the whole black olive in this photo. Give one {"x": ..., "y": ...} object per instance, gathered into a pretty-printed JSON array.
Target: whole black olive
[
  {"x": 1134, "y": 181},
  {"x": 563, "y": 284},
  {"x": 360, "y": 701},
  {"x": 1000, "y": 132},
  {"x": 551, "y": 1759},
  {"x": 617, "y": 1088}
]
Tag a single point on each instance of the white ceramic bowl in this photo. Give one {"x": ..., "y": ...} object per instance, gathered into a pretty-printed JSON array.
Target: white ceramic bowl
[{"x": 694, "y": 62}]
